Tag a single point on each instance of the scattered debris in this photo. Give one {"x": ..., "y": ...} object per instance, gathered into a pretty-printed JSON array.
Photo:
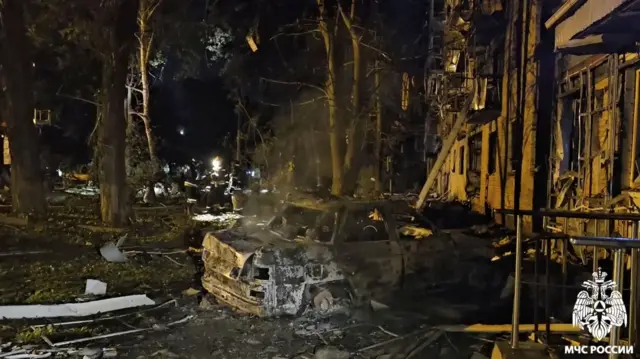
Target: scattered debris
[
  {"x": 133, "y": 331},
  {"x": 74, "y": 309},
  {"x": 88, "y": 191},
  {"x": 415, "y": 232},
  {"x": 376, "y": 306},
  {"x": 95, "y": 287},
  {"x": 112, "y": 253},
  {"x": 13, "y": 221},
  {"x": 77, "y": 322},
  {"x": 221, "y": 218},
  {"x": 101, "y": 228},
  {"x": 11, "y": 254},
  {"x": 191, "y": 292},
  {"x": 330, "y": 352}
]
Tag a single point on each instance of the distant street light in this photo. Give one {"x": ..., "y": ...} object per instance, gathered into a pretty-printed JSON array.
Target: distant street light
[{"x": 181, "y": 131}]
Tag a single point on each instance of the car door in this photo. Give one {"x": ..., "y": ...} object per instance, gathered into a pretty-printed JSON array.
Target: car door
[{"x": 367, "y": 248}]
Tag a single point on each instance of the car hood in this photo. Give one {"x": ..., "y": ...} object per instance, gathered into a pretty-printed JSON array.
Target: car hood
[{"x": 233, "y": 247}]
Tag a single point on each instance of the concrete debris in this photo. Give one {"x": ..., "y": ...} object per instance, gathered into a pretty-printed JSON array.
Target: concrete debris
[{"x": 330, "y": 352}]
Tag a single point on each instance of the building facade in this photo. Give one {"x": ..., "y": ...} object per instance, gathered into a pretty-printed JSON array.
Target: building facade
[
  {"x": 556, "y": 101},
  {"x": 594, "y": 161},
  {"x": 498, "y": 50}
]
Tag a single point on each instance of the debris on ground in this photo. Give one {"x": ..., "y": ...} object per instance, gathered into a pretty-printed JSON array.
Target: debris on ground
[
  {"x": 95, "y": 287},
  {"x": 74, "y": 309}
]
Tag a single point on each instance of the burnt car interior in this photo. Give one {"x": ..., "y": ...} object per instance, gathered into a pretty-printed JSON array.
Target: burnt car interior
[
  {"x": 300, "y": 222},
  {"x": 365, "y": 225}
]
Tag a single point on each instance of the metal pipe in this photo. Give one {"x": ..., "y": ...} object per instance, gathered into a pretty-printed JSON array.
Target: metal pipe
[
  {"x": 618, "y": 278},
  {"x": 547, "y": 296},
  {"x": 633, "y": 287},
  {"x": 596, "y": 252},
  {"x": 606, "y": 242},
  {"x": 517, "y": 285},
  {"x": 565, "y": 252},
  {"x": 571, "y": 214},
  {"x": 536, "y": 289},
  {"x": 562, "y": 12}
]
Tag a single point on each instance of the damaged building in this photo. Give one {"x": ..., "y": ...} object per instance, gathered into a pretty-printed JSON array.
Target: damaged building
[
  {"x": 594, "y": 158},
  {"x": 494, "y": 55}
]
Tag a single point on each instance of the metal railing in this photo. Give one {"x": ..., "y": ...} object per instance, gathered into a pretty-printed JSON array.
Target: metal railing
[{"x": 617, "y": 244}]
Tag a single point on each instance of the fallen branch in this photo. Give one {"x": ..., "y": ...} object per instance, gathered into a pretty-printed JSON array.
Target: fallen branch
[
  {"x": 396, "y": 339},
  {"x": 430, "y": 338}
]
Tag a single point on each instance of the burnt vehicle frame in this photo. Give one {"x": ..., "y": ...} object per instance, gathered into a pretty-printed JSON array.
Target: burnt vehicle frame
[{"x": 345, "y": 255}]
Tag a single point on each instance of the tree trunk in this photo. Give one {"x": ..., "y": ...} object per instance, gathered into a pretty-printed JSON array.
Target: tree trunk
[
  {"x": 378, "y": 107},
  {"x": 354, "y": 130},
  {"x": 330, "y": 88},
  {"x": 27, "y": 187},
  {"x": 145, "y": 42},
  {"x": 114, "y": 202}
]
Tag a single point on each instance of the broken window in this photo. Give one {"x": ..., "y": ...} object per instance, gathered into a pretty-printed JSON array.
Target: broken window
[
  {"x": 453, "y": 161},
  {"x": 365, "y": 225},
  {"x": 475, "y": 154},
  {"x": 598, "y": 123},
  {"x": 461, "y": 160},
  {"x": 493, "y": 152}
]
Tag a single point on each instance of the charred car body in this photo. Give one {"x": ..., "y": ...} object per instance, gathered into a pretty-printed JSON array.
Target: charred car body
[{"x": 318, "y": 255}]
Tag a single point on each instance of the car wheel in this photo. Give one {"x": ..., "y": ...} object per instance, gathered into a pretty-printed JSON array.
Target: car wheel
[{"x": 327, "y": 297}]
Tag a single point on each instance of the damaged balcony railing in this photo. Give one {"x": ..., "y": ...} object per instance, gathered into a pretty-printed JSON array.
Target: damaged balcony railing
[{"x": 617, "y": 244}]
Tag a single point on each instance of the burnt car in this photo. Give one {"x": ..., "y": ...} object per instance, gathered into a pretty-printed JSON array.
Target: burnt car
[{"x": 320, "y": 255}]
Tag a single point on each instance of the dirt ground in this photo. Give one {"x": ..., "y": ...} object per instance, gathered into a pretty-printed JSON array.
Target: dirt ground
[{"x": 209, "y": 330}]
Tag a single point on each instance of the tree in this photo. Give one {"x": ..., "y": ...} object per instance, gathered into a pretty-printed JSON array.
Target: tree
[
  {"x": 330, "y": 87},
  {"x": 145, "y": 42},
  {"x": 27, "y": 187},
  {"x": 115, "y": 42}
]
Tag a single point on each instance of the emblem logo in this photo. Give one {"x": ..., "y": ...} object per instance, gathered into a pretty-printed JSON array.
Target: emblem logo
[{"x": 600, "y": 310}]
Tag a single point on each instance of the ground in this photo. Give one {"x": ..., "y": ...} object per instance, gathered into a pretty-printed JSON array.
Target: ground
[{"x": 207, "y": 329}]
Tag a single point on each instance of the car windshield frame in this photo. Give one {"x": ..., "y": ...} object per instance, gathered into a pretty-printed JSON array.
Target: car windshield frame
[{"x": 331, "y": 216}]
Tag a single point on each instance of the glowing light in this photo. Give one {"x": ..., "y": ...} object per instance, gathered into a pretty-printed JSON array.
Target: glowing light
[{"x": 216, "y": 163}]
